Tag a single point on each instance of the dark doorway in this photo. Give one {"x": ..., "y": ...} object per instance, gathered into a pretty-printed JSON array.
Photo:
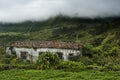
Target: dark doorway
[
  {"x": 70, "y": 55},
  {"x": 60, "y": 55},
  {"x": 24, "y": 55}
]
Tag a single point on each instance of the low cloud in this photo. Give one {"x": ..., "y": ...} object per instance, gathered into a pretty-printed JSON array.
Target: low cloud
[{"x": 21, "y": 10}]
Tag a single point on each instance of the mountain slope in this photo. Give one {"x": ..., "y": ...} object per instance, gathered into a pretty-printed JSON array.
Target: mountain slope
[{"x": 100, "y": 34}]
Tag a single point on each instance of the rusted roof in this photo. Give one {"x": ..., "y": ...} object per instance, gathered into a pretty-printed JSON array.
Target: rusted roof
[{"x": 48, "y": 44}]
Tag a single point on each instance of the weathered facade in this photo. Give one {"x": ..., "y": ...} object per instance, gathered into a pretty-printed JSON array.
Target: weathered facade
[{"x": 30, "y": 50}]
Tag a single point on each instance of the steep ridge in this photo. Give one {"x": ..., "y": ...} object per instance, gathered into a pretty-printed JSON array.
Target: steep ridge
[{"x": 101, "y": 34}]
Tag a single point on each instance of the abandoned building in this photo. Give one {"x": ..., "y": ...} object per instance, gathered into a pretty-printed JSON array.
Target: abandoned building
[{"x": 30, "y": 50}]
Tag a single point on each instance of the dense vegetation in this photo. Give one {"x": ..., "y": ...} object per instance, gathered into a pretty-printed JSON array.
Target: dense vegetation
[
  {"x": 101, "y": 48},
  {"x": 49, "y": 61},
  {"x": 100, "y": 34},
  {"x": 57, "y": 75},
  {"x": 50, "y": 67}
]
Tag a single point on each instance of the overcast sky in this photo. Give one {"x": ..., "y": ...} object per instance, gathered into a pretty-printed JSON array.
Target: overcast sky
[{"x": 21, "y": 10}]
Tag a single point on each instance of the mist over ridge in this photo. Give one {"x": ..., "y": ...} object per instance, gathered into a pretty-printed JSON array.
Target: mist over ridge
[{"x": 23, "y": 10}]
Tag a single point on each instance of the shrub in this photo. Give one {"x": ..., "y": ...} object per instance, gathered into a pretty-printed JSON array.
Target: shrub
[
  {"x": 6, "y": 60},
  {"x": 114, "y": 51},
  {"x": 16, "y": 61},
  {"x": 102, "y": 60},
  {"x": 72, "y": 66},
  {"x": 88, "y": 50},
  {"x": 75, "y": 58},
  {"x": 48, "y": 60},
  {"x": 112, "y": 67},
  {"x": 25, "y": 66},
  {"x": 7, "y": 56},
  {"x": 2, "y": 50},
  {"x": 5, "y": 66},
  {"x": 86, "y": 60},
  {"x": 1, "y": 67},
  {"x": 95, "y": 67}
]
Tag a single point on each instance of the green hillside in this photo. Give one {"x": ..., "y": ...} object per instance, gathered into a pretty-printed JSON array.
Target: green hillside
[{"x": 100, "y": 35}]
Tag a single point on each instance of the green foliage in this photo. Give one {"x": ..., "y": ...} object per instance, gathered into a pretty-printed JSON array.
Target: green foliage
[
  {"x": 95, "y": 67},
  {"x": 2, "y": 50},
  {"x": 60, "y": 28},
  {"x": 83, "y": 59},
  {"x": 9, "y": 62},
  {"x": 17, "y": 66},
  {"x": 4, "y": 67},
  {"x": 6, "y": 60},
  {"x": 16, "y": 61},
  {"x": 100, "y": 38},
  {"x": 112, "y": 67},
  {"x": 86, "y": 60},
  {"x": 48, "y": 60},
  {"x": 75, "y": 58},
  {"x": 72, "y": 66},
  {"x": 58, "y": 75},
  {"x": 102, "y": 60},
  {"x": 88, "y": 50}
]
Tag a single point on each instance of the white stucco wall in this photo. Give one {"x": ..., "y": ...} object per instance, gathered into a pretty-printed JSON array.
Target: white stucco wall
[
  {"x": 35, "y": 52},
  {"x": 8, "y": 51}
]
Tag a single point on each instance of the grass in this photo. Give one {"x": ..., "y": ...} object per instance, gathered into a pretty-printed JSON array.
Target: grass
[{"x": 57, "y": 75}]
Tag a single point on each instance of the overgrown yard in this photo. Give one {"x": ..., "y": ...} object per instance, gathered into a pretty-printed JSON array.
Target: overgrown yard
[{"x": 58, "y": 75}]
